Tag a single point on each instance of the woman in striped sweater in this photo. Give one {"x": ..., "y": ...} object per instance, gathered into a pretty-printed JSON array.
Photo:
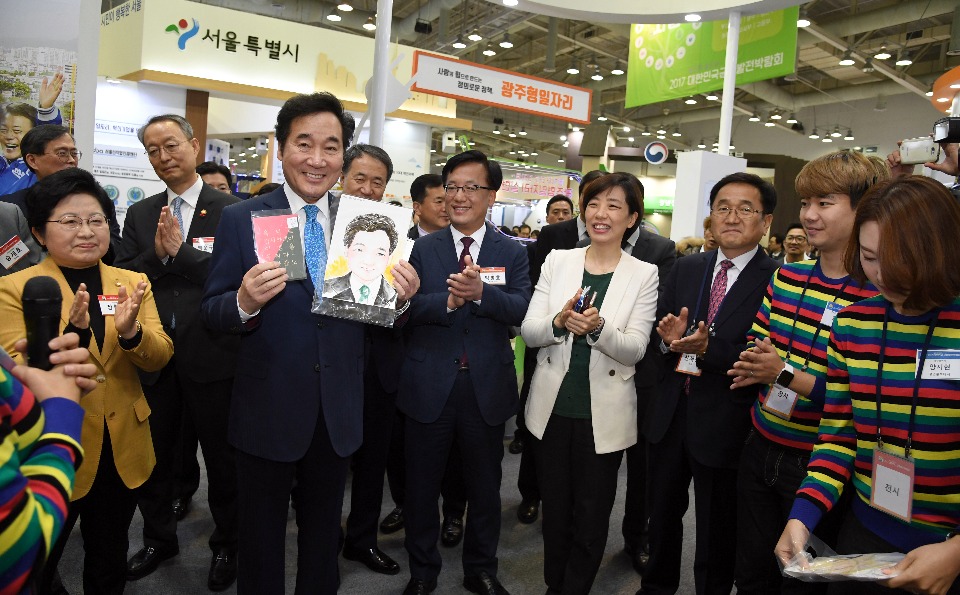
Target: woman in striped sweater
[{"x": 891, "y": 418}]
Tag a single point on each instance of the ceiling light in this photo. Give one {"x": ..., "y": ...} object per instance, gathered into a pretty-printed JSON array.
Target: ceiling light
[
  {"x": 576, "y": 129},
  {"x": 802, "y": 20},
  {"x": 716, "y": 144},
  {"x": 661, "y": 129},
  {"x": 711, "y": 97},
  {"x": 814, "y": 135},
  {"x": 904, "y": 59},
  {"x": 755, "y": 117},
  {"x": 559, "y": 160},
  {"x": 617, "y": 71},
  {"x": 868, "y": 65},
  {"x": 523, "y": 131},
  {"x": 243, "y": 154},
  {"x": 661, "y": 137},
  {"x": 626, "y": 129},
  {"x": 534, "y": 154},
  {"x": 566, "y": 144},
  {"x": 836, "y": 132},
  {"x": 883, "y": 54},
  {"x": 731, "y": 147},
  {"x": 370, "y": 25},
  {"x": 955, "y": 86},
  {"x": 676, "y": 131},
  {"x": 601, "y": 117},
  {"x": 596, "y": 74},
  {"x": 943, "y": 99},
  {"x": 690, "y": 100},
  {"x": 512, "y": 152},
  {"x": 252, "y": 149},
  {"x": 433, "y": 150},
  {"x": 847, "y": 59},
  {"x": 563, "y": 137},
  {"x": 691, "y": 18},
  {"x": 334, "y": 17},
  {"x": 929, "y": 93},
  {"x": 475, "y": 36},
  {"x": 512, "y": 135},
  {"x": 769, "y": 123},
  {"x": 629, "y": 139},
  {"x": 496, "y": 130},
  {"x": 459, "y": 43},
  {"x": 792, "y": 119},
  {"x": 776, "y": 116},
  {"x": 345, "y": 6},
  {"x": 701, "y": 144},
  {"x": 510, "y": 2},
  {"x": 506, "y": 43},
  {"x": 489, "y": 51},
  {"x": 646, "y": 131},
  {"x": 826, "y": 139},
  {"x": 849, "y": 135},
  {"x": 573, "y": 69}
]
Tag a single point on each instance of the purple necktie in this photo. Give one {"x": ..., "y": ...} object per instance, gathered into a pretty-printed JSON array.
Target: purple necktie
[{"x": 717, "y": 292}]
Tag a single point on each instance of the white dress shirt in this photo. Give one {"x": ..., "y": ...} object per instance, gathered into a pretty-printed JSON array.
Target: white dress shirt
[{"x": 739, "y": 263}]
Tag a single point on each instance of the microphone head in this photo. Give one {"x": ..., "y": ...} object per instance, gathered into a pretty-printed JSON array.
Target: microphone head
[{"x": 41, "y": 297}]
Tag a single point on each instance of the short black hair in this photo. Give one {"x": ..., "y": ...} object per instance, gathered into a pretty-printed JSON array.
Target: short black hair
[
  {"x": 24, "y": 110},
  {"x": 44, "y": 196},
  {"x": 266, "y": 188},
  {"x": 525, "y": 225},
  {"x": 559, "y": 198},
  {"x": 794, "y": 225},
  {"x": 589, "y": 177},
  {"x": 418, "y": 189},
  {"x": 35, "y": 141},
  {"x": 777, "y": 237},
  {"x": 212, "y": 167},
  {"x": 768, "y": 194},
  {"x": 180, "y": 121},
  {"x": 374, "y": 151},
  {"x": 494, "y": 173},
  {"x": 305, "y": 105},
  {"x": 371, "y": 222}
]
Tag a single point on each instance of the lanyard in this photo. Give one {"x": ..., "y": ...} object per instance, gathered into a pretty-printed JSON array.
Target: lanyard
[
  {"x": 916, "y": 381},
  {"x": 796, "y": 315}
]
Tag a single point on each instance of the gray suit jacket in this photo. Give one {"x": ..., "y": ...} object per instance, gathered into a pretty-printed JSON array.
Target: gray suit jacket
[
  {"x": 338, "y": 288},
  {"x": 13, "y": 223}
]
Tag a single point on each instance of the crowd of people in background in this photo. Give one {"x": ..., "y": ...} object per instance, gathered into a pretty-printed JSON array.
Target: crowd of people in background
[{"x": 806, "y": 389}]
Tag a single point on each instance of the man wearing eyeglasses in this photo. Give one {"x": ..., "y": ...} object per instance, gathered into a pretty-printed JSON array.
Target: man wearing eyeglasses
[
  {"x": 795, "y": 244},
  {"x": 697, "y": 425},
  {"x": 168, "y": 236},
  {"x": 458, "y": 381},
  {"x": 47, "y": 149}
]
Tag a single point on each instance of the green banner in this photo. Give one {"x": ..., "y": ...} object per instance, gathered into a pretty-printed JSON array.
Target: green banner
[
  {"x": 671, "y": 61},
  {"x": 657, "y": 204}
]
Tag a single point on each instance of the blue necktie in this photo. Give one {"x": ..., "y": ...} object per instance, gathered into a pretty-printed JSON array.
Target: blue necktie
[
  {"x": 177, "y": 204},
  {"x": 314, "y": 247}
]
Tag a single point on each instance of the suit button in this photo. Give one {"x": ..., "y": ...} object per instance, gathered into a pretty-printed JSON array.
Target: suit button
[
  {"x": 548, "y": 360},
  {"x": 176, "y": 293},
  {"x": 101, "y": 378},
  {"x": 466, "y": 331},
  {"x": 316, "y": 368},
  {"x": 613, "y": 373},
  {"x": 320, "y": 324},
  {"x": 456, "y": 361}
]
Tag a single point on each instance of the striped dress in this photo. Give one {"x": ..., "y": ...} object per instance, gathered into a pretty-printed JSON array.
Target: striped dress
[
  {"x": 39, "y": 452},
  {"x": 800, "y": 290},
  {"x": 848, "y": 430}
]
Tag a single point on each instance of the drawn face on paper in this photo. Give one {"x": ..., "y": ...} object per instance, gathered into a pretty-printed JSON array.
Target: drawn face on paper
[{"x": 368, "y": 255}]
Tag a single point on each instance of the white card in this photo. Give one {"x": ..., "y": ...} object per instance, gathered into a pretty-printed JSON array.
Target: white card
[
  {"x": 942, "y": 364},
  {"x": 12, "y": 252},
  {"x": 108, "y": 304},
  {"x": 892, "y": 484},
  {"x": 203, "y": 244},
  {"x": 688, "y": 364},
  {"x": 780, "y": 401},
  {"x": 829, "y": 313},
  {"x": 493, "y": 275}
]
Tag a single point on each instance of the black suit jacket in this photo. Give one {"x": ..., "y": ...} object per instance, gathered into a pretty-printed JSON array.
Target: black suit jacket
[
  {"x": 19, "y": 198},
  {"x": 202, "y": 354},
  {"x": 559, "y": 236},
  {"x": 718, "y": 419}
]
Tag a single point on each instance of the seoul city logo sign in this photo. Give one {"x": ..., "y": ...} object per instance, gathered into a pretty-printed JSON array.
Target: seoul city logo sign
[{"x": 184, "y": 33}]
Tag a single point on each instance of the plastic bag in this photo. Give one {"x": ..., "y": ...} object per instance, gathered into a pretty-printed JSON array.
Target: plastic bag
[{"x": 825, "y": 565}]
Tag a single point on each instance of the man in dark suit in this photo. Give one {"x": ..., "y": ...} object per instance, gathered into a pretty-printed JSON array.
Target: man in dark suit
[
  {"x": 458, "y": 381},
  {"x": 697, "y": 425},
  {"x": 296, "y": 411},
  {"x": 166, "y": 236},
  {"x": 20, "y": 249},
  {"x": 429, "y": 206},
  {"x": 47, "y": 149}
]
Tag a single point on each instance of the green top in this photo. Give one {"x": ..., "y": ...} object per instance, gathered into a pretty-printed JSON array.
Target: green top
[{"x": 573, "y": 400}]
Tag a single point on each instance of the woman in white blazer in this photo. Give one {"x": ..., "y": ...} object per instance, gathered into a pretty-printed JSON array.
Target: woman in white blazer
[{"x": 582, "y": 407}]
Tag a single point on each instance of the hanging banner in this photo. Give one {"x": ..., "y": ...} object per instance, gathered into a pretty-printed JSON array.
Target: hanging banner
[
  {"x": 672, "y": 61},
  {"x": 457, "y": 79}
]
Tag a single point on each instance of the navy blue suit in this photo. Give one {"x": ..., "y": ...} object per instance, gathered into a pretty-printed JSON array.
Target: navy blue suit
[
  {"x": 296, "y": 411},
  {"x": 444, "y": 402}
]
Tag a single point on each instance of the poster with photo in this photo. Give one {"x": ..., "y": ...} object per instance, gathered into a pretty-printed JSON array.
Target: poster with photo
[{"x": 367, "y": 239}]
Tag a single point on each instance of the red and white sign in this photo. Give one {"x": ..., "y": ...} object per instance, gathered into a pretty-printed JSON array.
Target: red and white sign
[{"x": 467, "y": 81}]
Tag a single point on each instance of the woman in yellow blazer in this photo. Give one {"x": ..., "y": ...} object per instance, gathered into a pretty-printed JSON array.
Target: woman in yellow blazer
[
  {"x": 67, "y": 216},
  {"x": 582, "y": 407}
]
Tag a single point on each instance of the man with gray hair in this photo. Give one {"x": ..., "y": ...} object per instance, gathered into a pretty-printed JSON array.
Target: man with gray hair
[{"x": 168, "y": 237}]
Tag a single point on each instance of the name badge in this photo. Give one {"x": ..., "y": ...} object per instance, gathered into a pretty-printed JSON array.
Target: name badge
[
  {"x": 12, "y": 252},
  {"x": 780, "y": 401},
  {"x": 892, "y": 484},
  {"x": 688, "y": 365},
  {"x": 941, "y": 364},
  {"x": 829, "y": 313},
  {"x": 108, "y": 304},
  {"x": 203, "y": 244},
  {"x": 493, "y": 275}
]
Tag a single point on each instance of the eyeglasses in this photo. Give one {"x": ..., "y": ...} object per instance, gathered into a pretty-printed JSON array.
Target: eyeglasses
[
  {"x": 172, "y": 148},
  {"x": 375, "y": 184},
  {"x": 796, "y": 239},
  {"x": 470, "y": 190},
  {"x": 742, "y": 212},
  {"x": 73, "y": 222},
  {"x": 65, "y": 155}
]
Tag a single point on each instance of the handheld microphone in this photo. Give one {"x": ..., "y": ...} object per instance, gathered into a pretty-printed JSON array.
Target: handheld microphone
[{"x": 41, "y": 313}]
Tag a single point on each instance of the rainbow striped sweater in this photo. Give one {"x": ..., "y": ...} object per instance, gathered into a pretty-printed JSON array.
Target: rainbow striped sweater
[
  {"x": 807, "y": 341},
  {"x": 848, "y": 430},
  {"x": 39, "y": 453}
]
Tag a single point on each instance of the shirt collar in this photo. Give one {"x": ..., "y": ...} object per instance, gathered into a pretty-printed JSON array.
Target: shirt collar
[
  {"x": 191, "y": 196},
  {"x": 477, "y": 235},
  {"x": 581, "y": 229},
  {"x": 632, "y": 240},
  {"x": 297, "y": 203},
  {"x": 740, "y": 261}
]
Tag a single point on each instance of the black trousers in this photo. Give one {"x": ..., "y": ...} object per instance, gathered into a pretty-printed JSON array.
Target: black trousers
[
  {"x": 186, "y": 467},
  {"x": 634, "y": 527},
  {"x": 452, "y": 488},
  {"x": 104, "y": 514},
  {"x": 370, "y": 462},
  {"x": 671, "y": 469},
  {"x": 206, "y": 405},
  {"x": 427, "y": 449},
  {"x": 579, "y": 488},
  {"x": 768, "y": 480},
  {"x": 527, "y": 478},
  {"x": 265, "y": 487}
]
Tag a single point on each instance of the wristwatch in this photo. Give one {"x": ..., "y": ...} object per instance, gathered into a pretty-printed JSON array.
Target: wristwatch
[{"x": 785, "y": 377}]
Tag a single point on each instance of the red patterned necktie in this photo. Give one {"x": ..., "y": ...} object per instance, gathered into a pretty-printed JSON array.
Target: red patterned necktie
[{"x": 718, "y": 290}]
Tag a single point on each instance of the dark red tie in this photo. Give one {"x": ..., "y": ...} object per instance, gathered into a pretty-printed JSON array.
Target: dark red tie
[
  {"x": 467, "y": 241},
  {"x": 717, "y": 292}
]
